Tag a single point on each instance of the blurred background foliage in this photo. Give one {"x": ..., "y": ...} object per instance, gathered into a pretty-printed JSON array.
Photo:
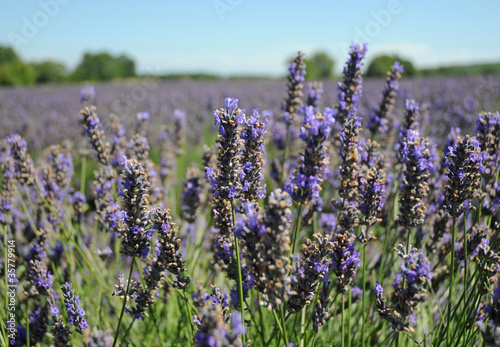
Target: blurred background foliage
[{"x": 103, "y": 66}]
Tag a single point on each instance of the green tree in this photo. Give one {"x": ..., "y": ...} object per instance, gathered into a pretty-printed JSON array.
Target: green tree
[
  {"x": 8, "y": 55},
  {"x": 49, "y": 72},
  {"x": 103, "y": 66},
  {"x": 16, "y": 74},
  {"x": 320, "y": 65},
  {"x": 381, "y": 64}
]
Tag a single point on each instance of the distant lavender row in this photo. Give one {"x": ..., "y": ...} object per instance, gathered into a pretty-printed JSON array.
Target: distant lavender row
[{"x": 454, "y": 102}]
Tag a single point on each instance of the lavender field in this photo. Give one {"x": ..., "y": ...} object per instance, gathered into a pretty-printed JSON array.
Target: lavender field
[{"x": 350, "y": 212}]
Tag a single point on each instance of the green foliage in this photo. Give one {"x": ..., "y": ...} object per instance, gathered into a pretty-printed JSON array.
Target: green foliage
[
  {"x": 320, "y": 65},
  {"x": 381, "y": 64},
  {"x": 17, "y": 74},
  {"x": 103, "y": 67},
  {"x": 49, "y": 72},
  {"x": 8, "y": 55},
  {"x": 464, "y": 70}
]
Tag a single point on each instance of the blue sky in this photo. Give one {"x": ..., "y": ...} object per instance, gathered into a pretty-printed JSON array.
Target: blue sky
[{"x": 250, "y": 36}]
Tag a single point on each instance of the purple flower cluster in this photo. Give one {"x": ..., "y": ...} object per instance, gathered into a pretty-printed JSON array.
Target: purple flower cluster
[
  {"x": 408, "y": 291},
  {"x": 306, "y": 182},
  {"x": 379, "y": 119},
  {"x": 372, "y": 183},
  {"x": 314, "y": 93},
  {"x": 463, "y": 162},
  {"x": 297, "y": 72},
  {"x": 93, "y": 130},
  {"x": 24, "y": 169},
  {"x": 137, "y": 235},
  {"x": 265, "y": 246},
  {"x": 252, "y": 160},
  {"x": 350, "y": 89},
  {"x": 418, "y": 160},
  {"x": 75, "y": 311},
  {"x": 312, "y": 266}
]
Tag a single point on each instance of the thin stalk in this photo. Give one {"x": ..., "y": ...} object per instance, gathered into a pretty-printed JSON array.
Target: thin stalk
[
  {"x": 302, "y": 326},
  {"x": 238, "y": 270},
  {"x": 124, "y": 302},
  {"x": 349, "y": 327},
  {"x": 254, "y": 321},
  {"x": 128, "y": 329},
  {"x": 27, "y": 323},
  {"x": 363, "y": 298},
  {"x": 188, "y": 312},
  {"x": 285, "y": 337},
  {"x": 296, "y": 229},
  {"x": 466, "y": 255},
  {"x": 342, "y": 320},
  {"x": 452, "y": 279},
  {"x": 275, "y": 331},
  {"x": 279, "y": 325}
]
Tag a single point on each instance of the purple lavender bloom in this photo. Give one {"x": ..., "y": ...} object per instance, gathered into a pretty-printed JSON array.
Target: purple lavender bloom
[
  {"x": 251, "y": 176},
  {"x": 409, "y": 123},
  {"x": 92, "y": 128},
  {"x": 265, "y": 244},
  {"x": 87, "y": 93},
  {"x": 306, "y": 182},
  {"x": 463, "y": 162},
  {"x": 416, "y": 270},
  {"x": 297, "y": 72},
  {"x": 378, "y": 120},
  {"x": 314, "y": 93},
  {"x": 418, "y": 160},
  {"x": 191, "y": 195},
  {"x": 350, "y": 89},
  {"x": 23, "y": 165},
  {"x": 75, "y": 311},
  {"x": 488, "y": 135},
  {"x": 312, "y": 267},
  {"x": 137, "y": 237}
]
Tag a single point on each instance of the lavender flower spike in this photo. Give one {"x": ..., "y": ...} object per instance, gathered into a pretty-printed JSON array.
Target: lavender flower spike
[
  {"x": 92, "y": 128},
  {"x": 137, "y": 237},
  {"x": 75, "y": 311},
  {"x": 416, "y": 270},
  {"x": 463, "y": 162},
  {"x": 417, "y": 157},
  {"x": 293, "y": 101},
  {"x": 377, "y": 122},
  {"x": 350, "y": 90},
  {"x": 254, "y": 130},
  {"x": 306, "y": 181}
]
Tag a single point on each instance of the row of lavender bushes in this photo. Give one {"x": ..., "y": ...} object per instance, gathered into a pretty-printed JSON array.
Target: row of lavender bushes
[{"x": 304, "y": 226}]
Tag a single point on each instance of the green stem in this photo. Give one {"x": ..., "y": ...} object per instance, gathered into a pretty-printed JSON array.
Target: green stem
[
  {"x": 27, "y": 323},
  {"x": 452, "y": 279},
  {"x": 238, "y": 271},
  {"x": 302, "y": 326},
  {"x": 466, "y": 255},
  {"x": 128, "y": 329},
  {"x": 363, "y": 298},
  {"x": 285, "y": 335},
  {"x": 124, "y": 301},
  {"x": 296, "y": 229},
  {"x": 349, "y": 310},
  {"x": 342, "y": 320}
]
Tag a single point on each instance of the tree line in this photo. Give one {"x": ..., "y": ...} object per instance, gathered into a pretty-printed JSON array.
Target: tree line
[{"x": 92, "y": 67}]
